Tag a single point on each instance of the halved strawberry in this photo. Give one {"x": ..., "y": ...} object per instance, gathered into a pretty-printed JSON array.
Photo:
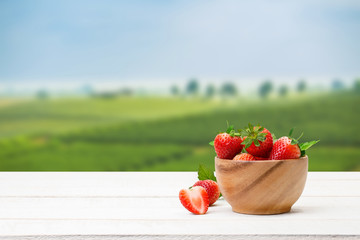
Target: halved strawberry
[
  {"x": 244, "y": 157},
  {"x": 211, "y": 188},
  {"x": 195, "y": 199},
  {"x": 257, "y": 141}
]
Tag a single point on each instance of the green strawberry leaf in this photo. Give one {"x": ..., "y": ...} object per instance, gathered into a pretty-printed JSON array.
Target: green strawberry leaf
[
  {"x": 243, "y": 132},
  {"x": 211, "y": 143},
  {"x": 293, "y": 140},
  {"x": 230, "y": 129},
  {"x": 300, "y": 136},
  {"x": 291, "y": 131},
  {"x": 253, "y": 135},
  {"x": 306, "y": 145},
  {"x": 205, "y": 173},
  {"x": 237, "y": 134},
  {"x": 247, "y": 142}
]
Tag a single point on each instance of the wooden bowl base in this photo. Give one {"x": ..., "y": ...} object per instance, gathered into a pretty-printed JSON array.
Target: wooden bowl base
[{"x": 262, "y": 211}]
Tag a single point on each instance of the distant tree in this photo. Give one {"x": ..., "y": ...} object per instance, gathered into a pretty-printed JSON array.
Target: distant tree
[
  {"x": 265, "y": 89},
  {"x": 42, "y": 94},
  {"x": 125, "y": 92},
  {"x": 175, "y": 90},
  {"x": 210, "y": 91},
  {"x": 357, "y": 85},
  {"x": 283, "y": 90},
  {"x": 192, "y": 87},
  {"x": 301, "y": 86},
  {"x": 337, "y": 85},
  {"x": 228, "y": 89},
  {"x": 106, "y": 95}
]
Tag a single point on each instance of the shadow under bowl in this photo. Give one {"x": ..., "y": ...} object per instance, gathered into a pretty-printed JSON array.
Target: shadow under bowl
[{"x": 261, "y": 187}]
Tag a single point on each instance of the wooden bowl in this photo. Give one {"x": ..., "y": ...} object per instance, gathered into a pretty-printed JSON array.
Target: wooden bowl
[{"x": 261, "y": 187}]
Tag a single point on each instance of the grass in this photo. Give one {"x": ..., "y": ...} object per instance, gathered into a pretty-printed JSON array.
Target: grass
[
  {"x": 80, "y": 156},
  {"x": 333, "y": 120},
  {"x": 53, "y": 116},
  {"x": 171, "y": 134}
]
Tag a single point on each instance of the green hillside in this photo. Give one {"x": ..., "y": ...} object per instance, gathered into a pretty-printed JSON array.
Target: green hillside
[
  {"x": 126, "y": 134},
  {"x": 24, "y": 117}
]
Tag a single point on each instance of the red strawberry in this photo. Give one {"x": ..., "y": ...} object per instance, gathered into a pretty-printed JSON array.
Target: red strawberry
[
  {"x": 258, "y": 141},
  {"x": 261, "y": 158},
  {"x": 227, "y": 146},
  {"x": 244, "y": 157},
  {"x": 194, "y": 199},
  {"x": 283, "y": 149},
  {"x": 211, "y": 188}
]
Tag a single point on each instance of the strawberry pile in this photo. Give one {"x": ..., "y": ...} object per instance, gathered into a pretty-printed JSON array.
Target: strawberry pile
[{"x": 257, "y": 143}]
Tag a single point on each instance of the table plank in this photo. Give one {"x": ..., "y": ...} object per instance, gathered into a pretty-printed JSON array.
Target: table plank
[
  {"x": 184, "y": 237},
  {"x": 199, "y": 226},
  {"x": 165, "y": 208},
  {"x": 144, "y": 184}
]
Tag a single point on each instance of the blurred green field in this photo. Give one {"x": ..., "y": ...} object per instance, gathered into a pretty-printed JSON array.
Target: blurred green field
[
  {"x": 167, "y": 134},
  {"x": 24, "y": 117}
]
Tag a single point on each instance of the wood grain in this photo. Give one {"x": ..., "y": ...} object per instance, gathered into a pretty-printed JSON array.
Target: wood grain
[
  {"x": 141, "y": 184},
  {"x": 261, "y": 187}
]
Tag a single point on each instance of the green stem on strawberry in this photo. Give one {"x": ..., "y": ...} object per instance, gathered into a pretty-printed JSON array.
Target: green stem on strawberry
[
  {"x": 229, "y": 130},
  {"x": 257, "y": 140}
]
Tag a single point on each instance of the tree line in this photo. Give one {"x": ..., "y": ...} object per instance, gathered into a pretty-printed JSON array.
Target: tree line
[{"x": 229, "y": 89}]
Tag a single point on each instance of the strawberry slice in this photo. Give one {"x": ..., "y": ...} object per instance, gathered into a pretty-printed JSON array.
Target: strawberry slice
[{"x": 195, "y": 199}]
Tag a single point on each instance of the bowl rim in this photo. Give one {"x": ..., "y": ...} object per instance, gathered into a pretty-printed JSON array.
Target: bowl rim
[{"x": 261, "y": 161}]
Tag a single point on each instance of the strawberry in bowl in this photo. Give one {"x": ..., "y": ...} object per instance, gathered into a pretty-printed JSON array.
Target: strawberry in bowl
[{"x": 227, "y": 144}]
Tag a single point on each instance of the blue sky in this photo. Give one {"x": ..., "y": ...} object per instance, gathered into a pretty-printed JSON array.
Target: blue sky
[{"x": 59, "y": 40}]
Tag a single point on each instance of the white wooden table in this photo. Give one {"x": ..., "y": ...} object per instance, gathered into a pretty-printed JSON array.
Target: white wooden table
[{"x": 145, "y": 205}]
